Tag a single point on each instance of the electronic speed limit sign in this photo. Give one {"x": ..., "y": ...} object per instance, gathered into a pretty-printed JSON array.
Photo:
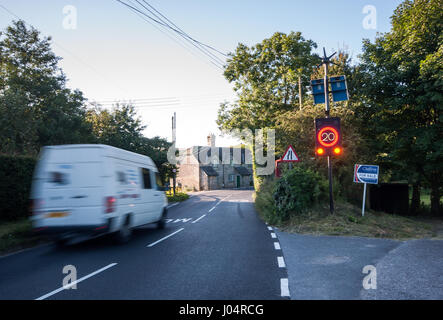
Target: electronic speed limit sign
[{"x": 328, "y": 137}]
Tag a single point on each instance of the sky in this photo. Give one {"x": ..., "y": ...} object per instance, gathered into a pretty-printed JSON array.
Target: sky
[{"x": 112, "y": 54}]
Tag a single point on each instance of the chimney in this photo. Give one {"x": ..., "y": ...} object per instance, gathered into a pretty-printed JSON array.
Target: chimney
[{"x": 211, "y": 140}]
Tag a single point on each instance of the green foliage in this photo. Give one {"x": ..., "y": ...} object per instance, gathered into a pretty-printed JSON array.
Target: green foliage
[
  {"x": 15, "y": 186},
  {"x": 122, "y": 128},
  {"x": 179, "y": 196},
  {"x": 264, "y": 200},
  {"x": 402, "y": 85},
  {"x": 36, "y": 108},
  {"x": 297, "y": 191}
]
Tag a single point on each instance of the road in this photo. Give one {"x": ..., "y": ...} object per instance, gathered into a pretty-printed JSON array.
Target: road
[{"x": 214, "y": 247}]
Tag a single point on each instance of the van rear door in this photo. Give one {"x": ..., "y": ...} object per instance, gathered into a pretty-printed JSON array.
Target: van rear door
[{"x": 72, "y": 187}]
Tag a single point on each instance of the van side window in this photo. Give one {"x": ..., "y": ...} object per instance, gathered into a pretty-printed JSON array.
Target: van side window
[
  {"x": 146, "y": 179},
  {"x": 158, "y": 180},
  {"x": 58, "y": 178},
  {"x": 121, "y": 177}
]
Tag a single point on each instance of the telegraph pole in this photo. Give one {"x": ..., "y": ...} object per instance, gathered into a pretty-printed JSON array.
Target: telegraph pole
[{"x": 174, "y": 123}]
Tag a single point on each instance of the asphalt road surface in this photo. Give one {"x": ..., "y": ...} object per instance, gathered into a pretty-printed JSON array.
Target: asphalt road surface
[{"x": 214, "y": 247}]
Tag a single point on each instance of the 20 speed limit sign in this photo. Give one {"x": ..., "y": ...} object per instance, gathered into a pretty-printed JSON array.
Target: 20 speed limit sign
[{"x": 327, "y": 136}]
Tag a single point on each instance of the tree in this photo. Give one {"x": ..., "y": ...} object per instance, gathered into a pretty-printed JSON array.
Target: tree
[
  {"x": 403, "y": 85},
  {"x": 265, "y": 78},
  {"x": 36, "y": 108},
  {"x": 119, "y": 127},
  {"x": 122, "y": 128}
]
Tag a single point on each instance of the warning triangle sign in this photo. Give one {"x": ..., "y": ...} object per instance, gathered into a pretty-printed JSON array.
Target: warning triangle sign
[{"x": 290, "y": 155}]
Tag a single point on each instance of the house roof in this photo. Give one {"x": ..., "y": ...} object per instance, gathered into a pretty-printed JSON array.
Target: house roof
[
  {"x": 243, "y": 171},
  {"x": 210, "y": 172}
]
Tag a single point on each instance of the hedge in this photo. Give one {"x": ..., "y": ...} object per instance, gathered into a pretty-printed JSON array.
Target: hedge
[{"x": 15, "y": 186}]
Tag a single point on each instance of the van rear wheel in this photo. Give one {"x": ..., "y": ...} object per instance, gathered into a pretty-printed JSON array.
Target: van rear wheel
[
  {"x": 161, "y": 224},
  {"x": 124, "y": 234}
]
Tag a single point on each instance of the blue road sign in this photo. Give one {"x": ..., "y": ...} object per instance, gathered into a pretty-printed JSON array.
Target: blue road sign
[
  {"x": 366, "y": 174},
  {"x": 318, "y": 90},
  {"x": 339, "y": 88}
]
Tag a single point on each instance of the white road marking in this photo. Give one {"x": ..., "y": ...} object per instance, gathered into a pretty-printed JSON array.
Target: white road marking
[
  {"x": 199, "y": 218},
  {"x": 184, "y": 220},
  {"x": 164, "y": 238},
  {"x": 172, "y": 205},
  {"x": 281, "y": 262},
  {"x": 284, "y": 287},
  {"x": 277, "y": 246},
  {"x": 75, "y": 282},
  {"x": 273, "y": 235},
  {"x": 211, "y": 209},
  {"x": 270, "y": 228}
]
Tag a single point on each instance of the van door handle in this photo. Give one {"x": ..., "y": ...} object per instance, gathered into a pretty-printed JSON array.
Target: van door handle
[{"x": 79, "y": 197}]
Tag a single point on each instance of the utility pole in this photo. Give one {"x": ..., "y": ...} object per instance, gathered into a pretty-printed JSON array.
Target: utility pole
[
  {"x": 174, "y": 171},
  {"x": 326, "y": 61},
  {"x": 300, "y": 98}
]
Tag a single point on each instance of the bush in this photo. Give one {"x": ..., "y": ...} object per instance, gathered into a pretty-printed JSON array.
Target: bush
[
  {"x": 298, "y": 190},
  {"x": 179, "y": 196},
  {"x": 264, "y": 200},
  {"x": 15, "y": 186}
]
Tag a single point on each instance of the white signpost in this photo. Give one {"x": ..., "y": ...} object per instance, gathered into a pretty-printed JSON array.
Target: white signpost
[{"x": 365, "y": 174}]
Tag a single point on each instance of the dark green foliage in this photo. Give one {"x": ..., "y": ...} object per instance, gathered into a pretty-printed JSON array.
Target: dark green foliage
[
  {"x": 298, "y": 190},
  {"x": 264, "y": 201},
  {"x": 15, "y": 186}
]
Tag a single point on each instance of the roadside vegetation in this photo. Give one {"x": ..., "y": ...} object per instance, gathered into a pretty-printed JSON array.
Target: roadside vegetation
[
  {"x": 392, "y": 118},
  {"x": 179, "y": 196},
  {"x": 291, "y": 212},
  {"x": 16, "y": 235}
]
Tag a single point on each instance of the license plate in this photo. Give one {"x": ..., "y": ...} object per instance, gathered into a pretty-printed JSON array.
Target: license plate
[{"x": 57, "y": 214}]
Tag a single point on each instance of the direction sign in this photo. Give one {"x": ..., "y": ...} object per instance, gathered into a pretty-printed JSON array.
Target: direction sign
[
  {"x": 290, "y": 155},
  {"x": 366, "y": 174}
]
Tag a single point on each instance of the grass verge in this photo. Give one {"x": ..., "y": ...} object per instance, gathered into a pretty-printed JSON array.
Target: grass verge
[
  {"x": 179, "y": 196},
  {"x": 16, "y": 235},
  {"x": 347, "y": 221}
]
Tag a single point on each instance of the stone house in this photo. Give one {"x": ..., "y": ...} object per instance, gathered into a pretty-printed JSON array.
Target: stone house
[{"x": 211, "y": 168}]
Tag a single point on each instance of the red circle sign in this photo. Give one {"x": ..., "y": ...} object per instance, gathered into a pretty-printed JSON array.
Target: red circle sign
[{"x": 328, "y": 137}]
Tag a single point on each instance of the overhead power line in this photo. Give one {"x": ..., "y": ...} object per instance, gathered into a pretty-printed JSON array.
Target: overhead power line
[
  {"x": 79, "y": 60},
  {"x": 148, "y": 11}
]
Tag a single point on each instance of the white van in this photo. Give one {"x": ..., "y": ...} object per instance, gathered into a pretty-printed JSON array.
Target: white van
[{"x": 90, "y": 190}]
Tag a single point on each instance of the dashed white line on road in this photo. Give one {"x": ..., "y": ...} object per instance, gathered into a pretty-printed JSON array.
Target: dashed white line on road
[
  {"x": 199, "y": 218},
  {"x": 281, "y": 262},
  {"x": 75, "y": 282},
  {"x": 164, "y": 238},
  {"x": 277, "y": 246},
  {"x": 273, "y": 235},
  {"x": 284, "y": 287}
]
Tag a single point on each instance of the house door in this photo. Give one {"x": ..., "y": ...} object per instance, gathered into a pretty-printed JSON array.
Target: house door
[{"x": 238, "y": 181}]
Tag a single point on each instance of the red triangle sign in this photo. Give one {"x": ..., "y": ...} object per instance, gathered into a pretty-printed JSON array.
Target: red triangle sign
[{"x": 290, "y": 155}]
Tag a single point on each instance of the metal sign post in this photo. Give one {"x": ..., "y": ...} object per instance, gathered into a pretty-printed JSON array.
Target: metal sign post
[
  {"x": 320, "y": 91},
  {"x": 365, "y": 174}
]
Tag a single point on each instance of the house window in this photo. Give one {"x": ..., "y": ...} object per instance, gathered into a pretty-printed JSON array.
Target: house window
[{"x": 231, "y": 178}]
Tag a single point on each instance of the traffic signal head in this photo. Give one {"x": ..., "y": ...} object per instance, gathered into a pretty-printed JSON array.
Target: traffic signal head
[{"x": 328, "y": 137}]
